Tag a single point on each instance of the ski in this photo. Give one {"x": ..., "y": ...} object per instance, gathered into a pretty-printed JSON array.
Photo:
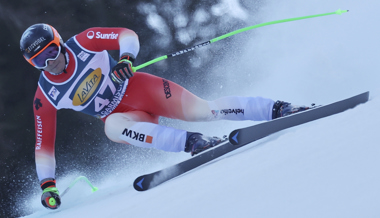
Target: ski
[
  {"x": 241, "y": 137},
  {"x": 252, "y": 133}
]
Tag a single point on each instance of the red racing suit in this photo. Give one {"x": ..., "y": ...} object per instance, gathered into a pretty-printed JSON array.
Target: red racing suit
[{"x": 87, "y": 87}]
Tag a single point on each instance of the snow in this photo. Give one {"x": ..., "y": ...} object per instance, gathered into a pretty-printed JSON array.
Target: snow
[{"x": 326, "y": 168}]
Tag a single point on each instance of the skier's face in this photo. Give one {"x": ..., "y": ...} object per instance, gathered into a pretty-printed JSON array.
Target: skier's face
[{"x": 56, "y": 66}]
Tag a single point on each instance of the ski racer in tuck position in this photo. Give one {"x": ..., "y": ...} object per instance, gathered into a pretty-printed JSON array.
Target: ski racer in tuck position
[{"x": 81, "y": 75}]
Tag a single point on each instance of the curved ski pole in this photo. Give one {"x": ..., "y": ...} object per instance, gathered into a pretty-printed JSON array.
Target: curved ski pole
[
  {"x": 339, "y": 11},
  {"x": 94, "y": 189}
]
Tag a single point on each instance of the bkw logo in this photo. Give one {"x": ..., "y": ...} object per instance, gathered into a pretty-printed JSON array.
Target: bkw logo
[{"x": 137, "y": 136}]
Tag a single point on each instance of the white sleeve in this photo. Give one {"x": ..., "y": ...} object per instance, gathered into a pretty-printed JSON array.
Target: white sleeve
[{"x": 129, "y": 43}]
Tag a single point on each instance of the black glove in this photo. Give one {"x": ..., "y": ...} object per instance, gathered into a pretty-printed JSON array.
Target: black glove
[
  {"x": 50, "y": 195},
  {"x": 123, "y": 69}
]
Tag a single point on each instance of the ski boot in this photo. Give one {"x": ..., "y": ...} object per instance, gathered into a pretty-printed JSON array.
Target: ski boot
[
  {"x": 196, "y": 142},
  {"x": 283, "y": 109}
]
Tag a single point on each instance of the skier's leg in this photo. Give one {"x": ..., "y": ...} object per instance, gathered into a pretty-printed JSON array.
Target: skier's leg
[
  {"x": 134, "y": 121},
  {"x": 242, "y": 108},
  {"x": 155, "y": 95},
  {"x": 161, "y": 97},
  {"x": 141, "y": 129}
]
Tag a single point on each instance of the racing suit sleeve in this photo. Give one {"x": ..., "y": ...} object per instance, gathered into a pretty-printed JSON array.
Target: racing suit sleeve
[
  {"x": 106, "y": 38},
  {"x": 45, "y": 118}
]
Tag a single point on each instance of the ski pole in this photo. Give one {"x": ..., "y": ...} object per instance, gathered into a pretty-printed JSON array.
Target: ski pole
[
  {"x": 94, "y": 189},
  {"x": 339, "y": 11}
]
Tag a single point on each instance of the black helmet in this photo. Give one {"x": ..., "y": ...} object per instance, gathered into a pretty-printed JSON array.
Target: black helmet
[{"x": 36, "y": 39}]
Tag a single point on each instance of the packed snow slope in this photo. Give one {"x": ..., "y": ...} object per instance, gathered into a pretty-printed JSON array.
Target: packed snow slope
[{"x": 326, "y": 168}]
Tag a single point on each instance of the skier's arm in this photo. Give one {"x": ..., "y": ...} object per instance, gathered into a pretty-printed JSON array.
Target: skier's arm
[
  {"x": 102, "y": 38},
  {"x": 122, "y": 39},
  {"x": 45, "y": 116}
]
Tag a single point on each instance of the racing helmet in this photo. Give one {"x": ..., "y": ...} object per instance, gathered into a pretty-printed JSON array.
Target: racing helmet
[{"x": 41, "y": 43}]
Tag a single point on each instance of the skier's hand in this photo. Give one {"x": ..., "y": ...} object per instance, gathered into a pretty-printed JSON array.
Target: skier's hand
[
  {"x": 123, "y": 69},
  {"x": 50, "y": 195}
]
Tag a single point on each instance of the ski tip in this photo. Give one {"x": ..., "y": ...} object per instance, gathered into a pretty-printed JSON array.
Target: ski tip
[
  {"x": 139, "y": 184},
  {"x": 234, "y": 137}
]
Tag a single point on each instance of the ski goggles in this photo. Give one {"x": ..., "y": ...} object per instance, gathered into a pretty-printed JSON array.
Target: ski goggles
[{"x": 50, "y": 52}]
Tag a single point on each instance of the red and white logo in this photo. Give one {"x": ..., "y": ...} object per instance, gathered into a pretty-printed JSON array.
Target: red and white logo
[{"x": 90, "y": 34}]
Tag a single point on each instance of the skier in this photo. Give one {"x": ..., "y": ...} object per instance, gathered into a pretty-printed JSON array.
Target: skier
[{"x": 81, "y": 75}]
